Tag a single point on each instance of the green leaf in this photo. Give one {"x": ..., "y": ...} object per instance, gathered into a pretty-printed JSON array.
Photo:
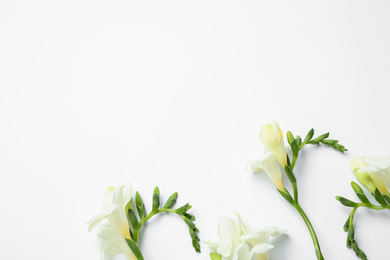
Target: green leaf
[
  {"x": 308, "y": 137},
  {"x": 290, "y": 137},
  {"x": 290, "y": 174},
  {"x": 215, "y": 256},
  {"x": 171, "y": 201},
  {"x": 346, "y": 202},
  {"x": 140, "y": 205},
  {"x": 156, "y": 199},
  {"x": 135, "y": 249}
]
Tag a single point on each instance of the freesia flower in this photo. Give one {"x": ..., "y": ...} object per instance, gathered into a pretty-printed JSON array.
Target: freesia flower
[
  {"x": 112, "y": 235},
  {"x": 275, "y": 155},
  {"x": 272, "y": 138},
  {"x": 237, "y": 242},
  {"x": 372, "y": 172}
]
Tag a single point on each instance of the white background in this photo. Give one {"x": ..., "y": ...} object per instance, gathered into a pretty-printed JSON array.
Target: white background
[{"x": 173, "y": 94}]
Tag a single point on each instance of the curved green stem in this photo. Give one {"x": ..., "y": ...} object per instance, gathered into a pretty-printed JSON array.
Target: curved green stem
[{"x": 311, "y": 230}]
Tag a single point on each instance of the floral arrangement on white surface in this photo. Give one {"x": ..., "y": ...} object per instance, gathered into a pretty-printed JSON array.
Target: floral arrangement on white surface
[{"x": 122, "y": 216}]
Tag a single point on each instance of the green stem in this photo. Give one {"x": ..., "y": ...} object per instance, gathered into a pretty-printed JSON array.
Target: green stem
[
  {"x": 311, "y": 230},
  {"x": 372, "y": 206}
]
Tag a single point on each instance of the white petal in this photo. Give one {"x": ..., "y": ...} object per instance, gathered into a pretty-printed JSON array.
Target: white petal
[
  {"x": 369, "y": 168},
  {"x": 225, "y": 248},
  {"x": 113, "y": 243},
  {"x": 381, "y": 163},
  {"x": 228, "y": 229},
  {"x": 254, "y": 166},
  {"x": 126, "y": 194},
  {"x": 242, "y": 252},
  {"x": 386, "y": 180},
  {"x": 95, "y": 220},
  {"x": 273, "y": 169},
  {"x": 260, "y": 249},
  {"x": 213, "y": 244}
]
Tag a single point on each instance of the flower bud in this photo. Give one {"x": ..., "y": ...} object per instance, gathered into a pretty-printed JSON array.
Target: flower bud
[{"x": 272, "y": 138}]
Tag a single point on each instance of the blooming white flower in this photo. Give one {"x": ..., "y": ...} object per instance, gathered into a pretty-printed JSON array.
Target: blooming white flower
[
  {"x": 113, "y": 235},
  {"x": 237, "y": 242},
  {"x": 372, "y": 172}
]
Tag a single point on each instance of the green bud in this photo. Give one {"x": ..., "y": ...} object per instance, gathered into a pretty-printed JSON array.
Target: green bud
[
  {"x": 156, "y": 199},
  {"x": 299, "y": 140},
  {"x": 171, "y": 201},
  {"x": 320, "y": 138},
  {"x": 346, "y": 202},
  {"x": 290, "y": 137},
  {"x": 132, "y": 218},
  {"x": 140, "y": 205},
  {"x": 309, "y": 136}
]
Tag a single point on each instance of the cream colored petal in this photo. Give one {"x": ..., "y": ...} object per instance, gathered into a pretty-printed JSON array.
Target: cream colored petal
[
  {"x": 126, "y": 195},
  {"x": 381, "y": 163},
  {"x": 228, "y": 230},
  {"x": 242, "y": 252},
  {"x": 386, "y": 180},
  {"x": 112, "y": 243},
  {"x": 261, "y": 251},
  {"x": 213, "y": 244},
  {"x": 95, "y": 220},
  {"x": 225, "y": 249},
  {"x": 356, "y": 163},
  {"x": 273, "y": 169},
  {"x": 254, "y": 166}
]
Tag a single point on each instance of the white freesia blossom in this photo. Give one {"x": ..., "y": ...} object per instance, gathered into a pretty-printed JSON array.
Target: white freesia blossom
[
  {"x": 372, "y": 172},
  {"x": 112, "y": 235},
  {"x": 272, "y": 138},
  {"x": 237, "y": 242},
  {"x": 275, "y": 155}
]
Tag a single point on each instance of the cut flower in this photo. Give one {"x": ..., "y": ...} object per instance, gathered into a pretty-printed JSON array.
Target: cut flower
[
  {"x": 112, "y": 235},
  {"x": 238, "y": 242},
  {"x": 372, "y": 172}
]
